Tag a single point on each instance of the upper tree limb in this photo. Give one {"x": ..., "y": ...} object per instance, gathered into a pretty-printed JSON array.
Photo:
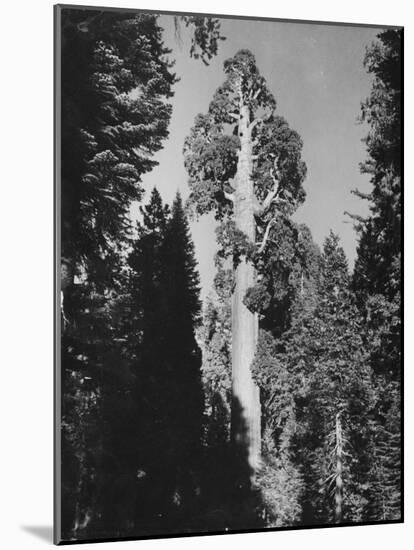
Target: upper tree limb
[{"x": 273, "y": 193}]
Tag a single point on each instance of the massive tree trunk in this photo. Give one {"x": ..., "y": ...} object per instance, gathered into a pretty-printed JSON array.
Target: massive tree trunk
[{"x": 246, "y": 399}]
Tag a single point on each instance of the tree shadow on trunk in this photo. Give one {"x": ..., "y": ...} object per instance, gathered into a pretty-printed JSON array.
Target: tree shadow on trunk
[{"x": 231, "y": 499}]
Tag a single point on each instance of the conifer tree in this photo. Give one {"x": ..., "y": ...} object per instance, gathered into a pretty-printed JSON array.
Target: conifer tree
[
  {"x": 145, "y": 261},
  {"x": 244, "y": 163},
  {"x": 285, "y": 295},
  {"x": 181, "y": 281},
  {"x": 118, "y": 65},
  {"x": 168, "y": 393},
  {"x": 338, "y": 398},
  {"x": 146, "y": 343},
  {"x": 315, "y": 377},
  {"x": 108, "y": 137},
  {"x": 377, "y": 273},
  {"x": 96, "y": 378}
]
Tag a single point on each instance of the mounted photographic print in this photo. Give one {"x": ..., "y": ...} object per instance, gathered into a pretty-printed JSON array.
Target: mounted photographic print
[{"x": 228, "y": 274}]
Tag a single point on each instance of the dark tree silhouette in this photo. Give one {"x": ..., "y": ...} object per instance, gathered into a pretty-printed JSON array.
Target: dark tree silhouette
[
  {"x": 377, "y": 275},
  {"x": 183, "y": 388},
  {"x": 115, "y": 80},
  {"x": 164, "y": 289}
]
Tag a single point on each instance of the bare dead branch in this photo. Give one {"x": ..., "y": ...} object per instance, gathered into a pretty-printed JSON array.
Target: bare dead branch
[
  {"x": 229, "y": 196},
  {"x": 272, "y": 195},
  {"x": 262, "y": 245},
  {"x": 260, "y": 120},
  {"x": 236, "y": 116},
  {"x": 254, "y": 123},
  {"x": 257, "y": 93}
]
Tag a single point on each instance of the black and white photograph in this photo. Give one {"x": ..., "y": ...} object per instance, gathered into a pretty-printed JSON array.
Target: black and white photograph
[{"x": 228, "y": 233}]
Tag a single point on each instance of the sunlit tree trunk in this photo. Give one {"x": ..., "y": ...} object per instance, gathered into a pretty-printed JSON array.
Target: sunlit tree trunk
[{"x": 246, "y": 400}]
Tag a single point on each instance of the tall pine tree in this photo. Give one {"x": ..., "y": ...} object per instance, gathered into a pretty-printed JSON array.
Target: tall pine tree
[
  {"x": 165, "y": 291},
  {"x": 377, "y": 274},
  {"x": 183, "y": 357}
]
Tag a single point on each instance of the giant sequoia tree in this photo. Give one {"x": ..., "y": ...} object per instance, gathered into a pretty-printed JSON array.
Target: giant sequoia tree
[{"x": 244, "y": 163}]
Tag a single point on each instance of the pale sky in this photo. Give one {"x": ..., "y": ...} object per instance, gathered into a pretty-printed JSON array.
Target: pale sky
[{"x": 316, "y": 74}]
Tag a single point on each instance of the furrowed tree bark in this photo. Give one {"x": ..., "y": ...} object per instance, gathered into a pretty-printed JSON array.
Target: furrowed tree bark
[{"x": 246, "y": 421}]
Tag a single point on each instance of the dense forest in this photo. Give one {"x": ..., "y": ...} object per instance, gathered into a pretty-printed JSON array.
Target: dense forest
[{"x": 275, "y": 402}]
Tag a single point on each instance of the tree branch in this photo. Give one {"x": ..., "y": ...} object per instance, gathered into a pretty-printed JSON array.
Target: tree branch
[
  {"x": 254, "y": 92},
  {"x": 272, "y": 195},
  {"x": 262, "y": 245},
  {"x": 260, "y": 120},
  {"x": 273, "y": 192},
  {"x": 257, "y": 93},
  {"x": 235, "y": 116},
  {"x": 254, "y": 123},
  {"x": 229, "y": 196}
]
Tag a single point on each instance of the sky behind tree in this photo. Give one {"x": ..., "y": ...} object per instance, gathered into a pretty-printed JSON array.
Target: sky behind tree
[{"x": 317, "y": 76}]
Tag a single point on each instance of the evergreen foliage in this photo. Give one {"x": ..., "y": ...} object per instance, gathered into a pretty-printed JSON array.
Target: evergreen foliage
[
  {"x": 377, "y": 275},
  {"x": 164, "y": 284},
  {"x": 117, "y": 64},
  {"x": 316, "y": 371}
]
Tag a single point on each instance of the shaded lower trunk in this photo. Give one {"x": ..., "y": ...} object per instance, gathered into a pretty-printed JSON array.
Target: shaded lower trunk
[{"x": 246, "y": 400}]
